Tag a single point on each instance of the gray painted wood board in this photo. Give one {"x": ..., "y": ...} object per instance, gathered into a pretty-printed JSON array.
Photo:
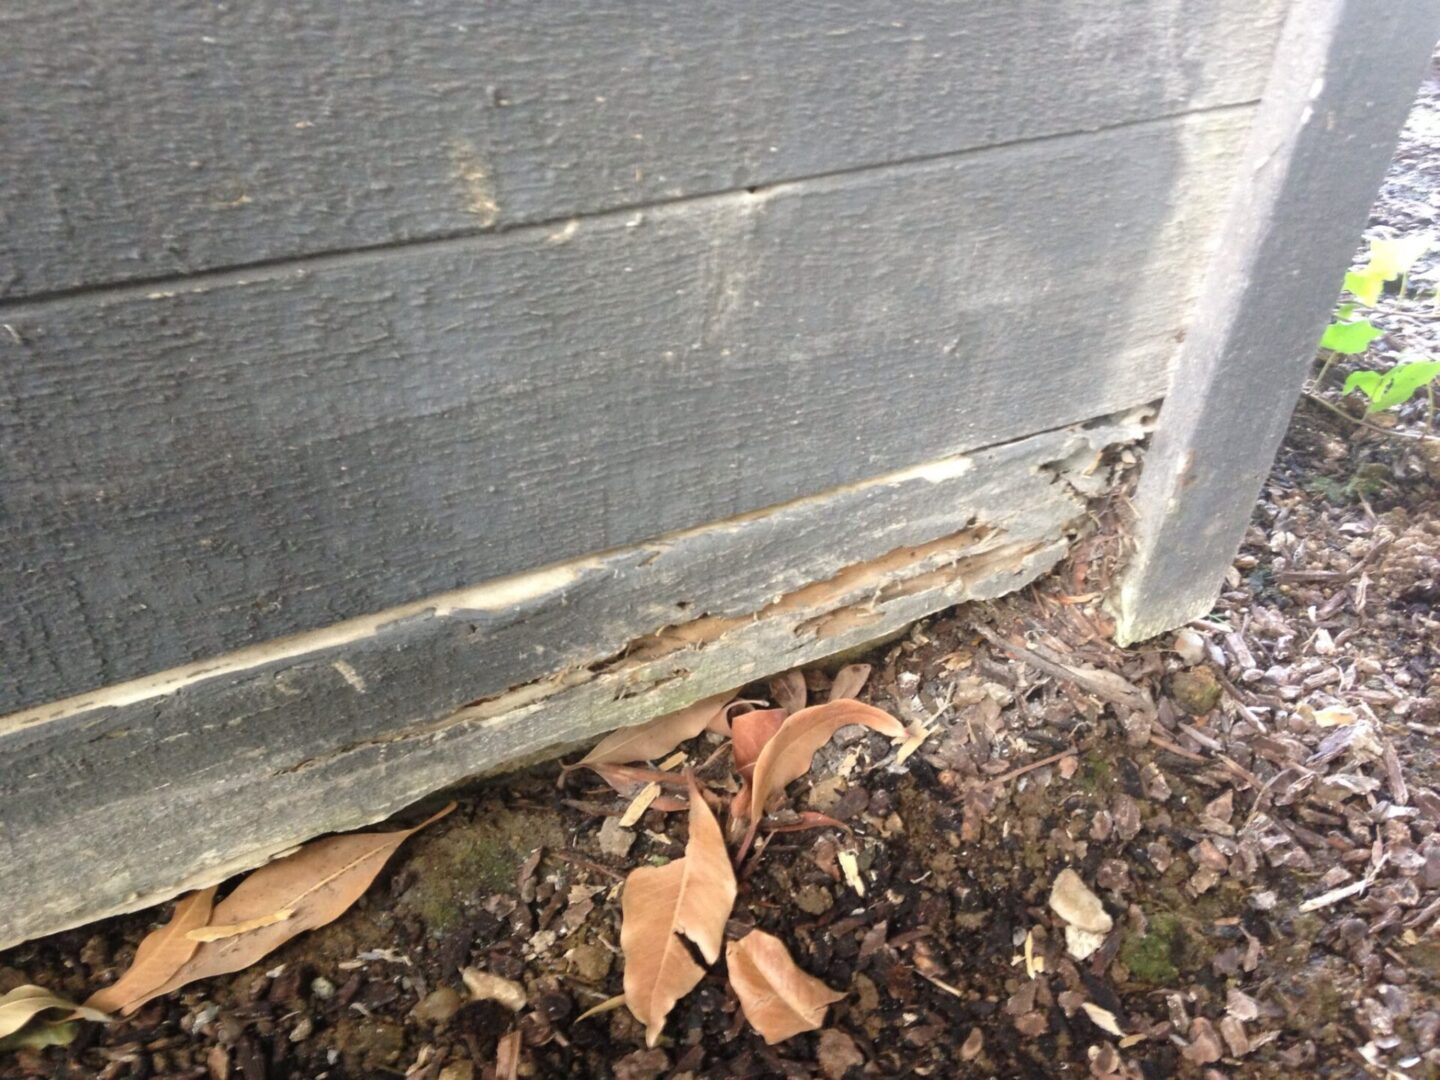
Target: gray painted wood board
[
  {"x": 115, "y": 803},
  {"x": 149, "y": 141},
  {"x": 249, "y": 455},
  {"x": 1344, "y": 79}
]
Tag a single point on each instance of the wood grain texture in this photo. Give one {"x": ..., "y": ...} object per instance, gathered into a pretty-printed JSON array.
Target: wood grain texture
[
  {"x": 156, "y": 140},
  {"x": 194, "y": 470},
  {"x": 118, "y": 802},
  {"x": 1344, "y": 79}
]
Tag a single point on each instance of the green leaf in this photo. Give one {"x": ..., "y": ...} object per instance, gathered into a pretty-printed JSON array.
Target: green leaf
[
  {"x": 1399, "y": 384},
  {"x": 1391, "y": 258},
  {"x": 1350, "y": 338},
  {"x": 1344, "y": 311},
  {"x": 1364, "y": 284},
  {"x": 1367, "y": 382}
]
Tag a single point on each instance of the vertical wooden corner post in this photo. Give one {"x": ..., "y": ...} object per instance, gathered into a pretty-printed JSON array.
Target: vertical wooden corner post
[{"x": 1344, "y": 76}]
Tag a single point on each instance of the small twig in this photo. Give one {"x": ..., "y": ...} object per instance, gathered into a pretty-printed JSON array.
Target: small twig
[
  {"x": 1123, "y": 693},
  {"x": 1344, "y": 892},
  {"x": 1005, "y": 777},
  {"x": 588, "y": 864},
  {"x": 1178, "y": 750},
  {"x": 1414, "y": 436}
]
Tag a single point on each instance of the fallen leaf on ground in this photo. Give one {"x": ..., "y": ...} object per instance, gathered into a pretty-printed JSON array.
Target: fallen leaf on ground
[
  {"x": 918, "y": 734},
  {"x": 647, "y": 741},
  {"x": 24, "y": 1003},
  {"x": 777, "y": 997},
  {"x": 690, "y": 897},
  {"x": 158, "y": 957},
  {"x": 318, "y": 884},
  {"x": 627, "y": 780},
  {"x": 849, "y": 681},
  {"x": 787, "y": 755},
  {"x": 788, "y": 690},
  {"x": 749, "y": 732},
  {"x": 220, "y": 931}
]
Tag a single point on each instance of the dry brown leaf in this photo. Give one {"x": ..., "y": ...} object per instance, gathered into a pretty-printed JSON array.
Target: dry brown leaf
[
  {"x": 778, "y": 998},
  {"x": 849, "y": 681},
  {"x": 627, "y": 780},
  {"x": 690, "y": 897},
  {"x": 318, "y": 884},
  {"x": 220, "y": 931},
  {"x": 158, "y": 957},
  {"x": 24, "y": 1003},
  {"x": 918, "y": 733},
  {"x": 789, "y": 692},
  {"x": 787, "y": 756},
  {"x": 749, "y": 733},
  {"x": 645, "y": 742}
]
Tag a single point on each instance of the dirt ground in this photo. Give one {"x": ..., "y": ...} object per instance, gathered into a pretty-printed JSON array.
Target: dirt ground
[{"x": 1255, "y": 800}]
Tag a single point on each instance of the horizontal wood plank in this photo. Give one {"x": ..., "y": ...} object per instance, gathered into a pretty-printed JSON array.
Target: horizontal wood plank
[
  {"x": 195, "y": 470},
  {"x": 151, "y": 140},
  {"x": 119, "y": 801}
]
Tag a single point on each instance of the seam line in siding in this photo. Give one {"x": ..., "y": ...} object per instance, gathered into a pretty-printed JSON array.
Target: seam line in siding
[{"x": 264, "y": 269}]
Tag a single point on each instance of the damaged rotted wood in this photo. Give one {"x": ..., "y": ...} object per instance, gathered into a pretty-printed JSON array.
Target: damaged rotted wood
[{"x": 119, "y": 799}]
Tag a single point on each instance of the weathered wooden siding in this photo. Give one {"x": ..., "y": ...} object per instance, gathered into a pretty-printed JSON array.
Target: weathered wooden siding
[
  {"x": 254, "y": 454},
  {"x": 147, "y": 140},
  {"x": 362, "y": 360},
  {"x": 181, "y": 780}
]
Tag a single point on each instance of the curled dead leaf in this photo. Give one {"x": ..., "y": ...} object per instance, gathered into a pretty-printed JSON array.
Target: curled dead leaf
[
  {"x": 317, "y": 884},
  {"x": 158, "y": 957},
  {"x": 777, "y": 997},
  {"x": 691, "y": 898},
  {"x": 628, "y": 780},
  {"x": 25, "y": 1003},
  {"x": 849, "y": 681},
  {"x": 749, "y": 732},
  {"x": 647, "y": 741},
  {"x": 787, "y": 755},
  {"x": 788, "y": 690}
]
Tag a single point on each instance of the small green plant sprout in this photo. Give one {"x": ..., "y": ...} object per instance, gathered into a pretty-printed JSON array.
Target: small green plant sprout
[
  {"x": 1389, "y": 259},
  {"x": 1347, "y": 336},
  {"x": 1386, "y": 389}
]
